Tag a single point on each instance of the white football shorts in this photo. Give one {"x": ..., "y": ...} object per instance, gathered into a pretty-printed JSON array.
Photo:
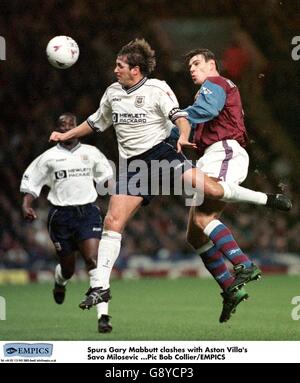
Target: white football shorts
[{"x": 226, "y": 160}]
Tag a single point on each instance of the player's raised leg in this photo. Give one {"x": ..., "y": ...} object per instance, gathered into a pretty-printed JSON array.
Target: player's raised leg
[
  {"x": 212, "y": 257},
  {"x": 223, "y": 240},
  {"x": 231, "y": 192},
  {"x": 205, "y": 218}
]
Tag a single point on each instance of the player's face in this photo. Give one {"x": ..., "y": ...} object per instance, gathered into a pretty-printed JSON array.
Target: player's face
[
  {"x": 66, "y": 123},
  {"x": 200, "y": 69},
  {"x": 124, "y": 74}
]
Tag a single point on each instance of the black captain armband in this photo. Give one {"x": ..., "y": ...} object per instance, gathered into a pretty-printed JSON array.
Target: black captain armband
[
  {"x": 92, "y": 125},
  {"x": 176, "y": 113}
]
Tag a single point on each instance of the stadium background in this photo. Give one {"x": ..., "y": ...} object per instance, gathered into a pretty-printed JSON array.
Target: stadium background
[{"x": 253, "y": 41}]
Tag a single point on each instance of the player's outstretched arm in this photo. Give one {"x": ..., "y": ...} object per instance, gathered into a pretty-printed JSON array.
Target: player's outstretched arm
[
  {"x": 81, "y": 130},
  {"x": 184, "y": 129},
  {"x": 28, "y": 211}
]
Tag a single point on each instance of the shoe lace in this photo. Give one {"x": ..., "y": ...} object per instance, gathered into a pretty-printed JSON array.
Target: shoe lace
[
  {"x": 91, "y": 293},
  {"x": 94, "y": 296}
]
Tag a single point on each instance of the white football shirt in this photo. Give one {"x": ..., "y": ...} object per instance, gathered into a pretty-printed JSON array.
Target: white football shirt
[
  {"x": 70, "y": 174},
  {"x": 142, "y": 115}
]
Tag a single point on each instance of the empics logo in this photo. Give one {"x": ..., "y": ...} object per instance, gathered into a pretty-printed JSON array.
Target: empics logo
[
  {"x": 2, "y": 48},
  {"x": 28, "y": 350},
  {"x": 11, "y": 350}
]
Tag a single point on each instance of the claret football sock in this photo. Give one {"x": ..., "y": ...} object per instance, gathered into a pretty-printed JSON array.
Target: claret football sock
[
  {"x": 223, "y": 239},
  {"x": 215, "y": 264}
]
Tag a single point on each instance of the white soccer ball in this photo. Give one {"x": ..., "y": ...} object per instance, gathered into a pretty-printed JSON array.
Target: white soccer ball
[{"x": 62, "y": 52}]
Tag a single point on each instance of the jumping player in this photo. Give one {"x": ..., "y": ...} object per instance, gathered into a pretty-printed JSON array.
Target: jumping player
[
  {"x": 220, "y": 135},
  {"x": 142, "y": 111}
]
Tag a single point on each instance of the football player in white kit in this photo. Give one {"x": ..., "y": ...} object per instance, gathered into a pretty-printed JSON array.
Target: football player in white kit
[
  {"x": 142, "y": 111},
  {"x": 74, "y": 222}
]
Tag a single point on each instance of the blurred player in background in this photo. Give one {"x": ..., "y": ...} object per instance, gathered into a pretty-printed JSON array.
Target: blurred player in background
[
  {"x": 220, "y": 135},
  {"x": 142, "y": 112},
  {"x": 74, "y": 222}
]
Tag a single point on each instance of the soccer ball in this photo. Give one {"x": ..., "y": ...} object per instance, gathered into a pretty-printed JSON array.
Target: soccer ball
[{"x": 62, "y": 52}]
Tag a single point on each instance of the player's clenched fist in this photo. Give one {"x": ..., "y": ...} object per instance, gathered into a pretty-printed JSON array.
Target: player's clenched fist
[
  {"x": 56, "y": 136},
  {"x": 29, "y": 213}
]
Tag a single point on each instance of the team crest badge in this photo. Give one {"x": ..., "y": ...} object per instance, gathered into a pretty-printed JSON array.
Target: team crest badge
[
  {"x": 85, "y": 158},
  {"x": 205, "y": 90},
  {"x": 139, "y": 101}
]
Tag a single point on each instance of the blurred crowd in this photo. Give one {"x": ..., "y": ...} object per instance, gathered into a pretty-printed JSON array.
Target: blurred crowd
[{"x": 33, "y": 95}]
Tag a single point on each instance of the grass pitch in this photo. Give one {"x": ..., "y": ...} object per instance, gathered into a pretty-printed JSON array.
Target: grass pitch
[{"x": 154, "y": 309}]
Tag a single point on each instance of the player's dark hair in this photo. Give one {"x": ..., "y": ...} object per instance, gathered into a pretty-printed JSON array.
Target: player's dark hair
[
  {"x": 67, "y": 114},
  {"x": 206, "y": 53},
  {"x": 138, "y": 52}
]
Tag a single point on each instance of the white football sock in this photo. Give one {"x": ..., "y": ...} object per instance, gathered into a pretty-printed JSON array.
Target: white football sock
[
  {"x": 94, "y": 282},
  {"x": 58, "y": 276},
  {"x": 236, "y": 193},
  {"x": 209, "y": 228},
  {"x": 102, "y": 309},
  {"x": 108, "y": 252}
]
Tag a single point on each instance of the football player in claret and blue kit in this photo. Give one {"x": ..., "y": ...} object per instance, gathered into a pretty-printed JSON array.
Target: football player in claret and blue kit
[{"x": 219, "y": 132}]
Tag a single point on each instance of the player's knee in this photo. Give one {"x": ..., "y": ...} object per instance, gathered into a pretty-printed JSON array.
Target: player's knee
[
  {"x": 67, "y": 273},
  {"x": 112, "y": 222},
  {"x": 196, "y": 241},
  {"x": 91, "y": 262},
  {"x": 201, "y": 221},
  {"x": 191, "y": 240},
  {"x": 213, "y": 190}
]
